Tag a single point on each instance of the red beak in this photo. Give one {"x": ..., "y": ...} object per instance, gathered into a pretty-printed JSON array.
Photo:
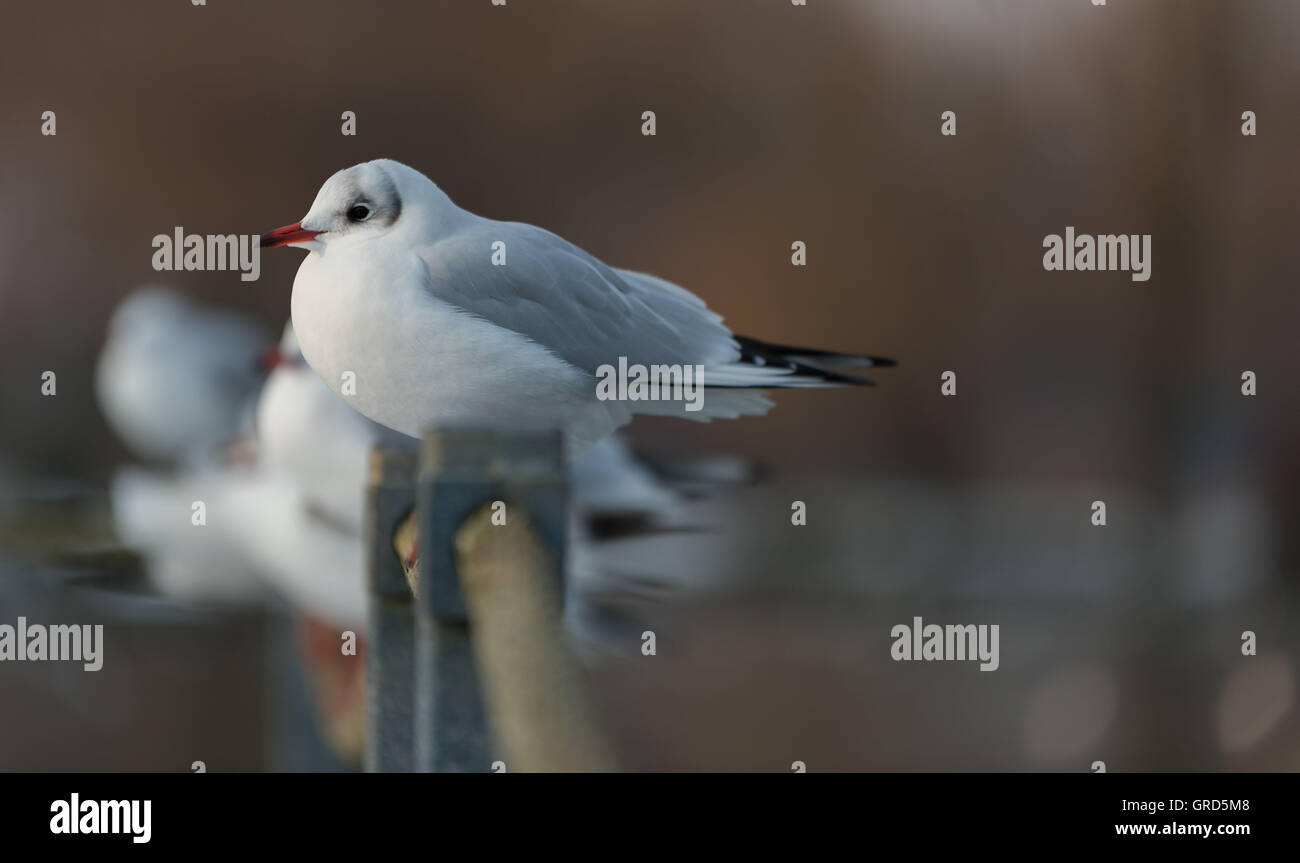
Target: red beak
[
  {"x": 270, "y": 359},
  {"x": 294, "y": 233}
]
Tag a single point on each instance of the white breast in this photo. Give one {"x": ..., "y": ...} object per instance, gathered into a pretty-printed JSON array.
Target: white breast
[{"x": 364, "y": 318}]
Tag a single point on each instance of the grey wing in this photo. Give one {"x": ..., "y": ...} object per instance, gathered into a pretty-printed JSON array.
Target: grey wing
[{"x": 583, "y": 311}]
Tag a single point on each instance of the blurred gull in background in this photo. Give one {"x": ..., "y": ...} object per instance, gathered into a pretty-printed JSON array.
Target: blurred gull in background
[{"x": 175, "y": 380}]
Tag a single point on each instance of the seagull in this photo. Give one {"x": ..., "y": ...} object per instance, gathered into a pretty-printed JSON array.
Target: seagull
[
  {"x": 418, "y": 312},
  {"x": 176, "y": 380}
]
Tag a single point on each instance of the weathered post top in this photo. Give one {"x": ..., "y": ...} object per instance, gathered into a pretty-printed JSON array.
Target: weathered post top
[
  {"x": 462, "y": 470},
  {"x": 496, "y": 454}
]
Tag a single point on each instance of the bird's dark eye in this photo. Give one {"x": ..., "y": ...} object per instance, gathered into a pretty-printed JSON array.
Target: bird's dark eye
[{"x": 358, "y": 213}]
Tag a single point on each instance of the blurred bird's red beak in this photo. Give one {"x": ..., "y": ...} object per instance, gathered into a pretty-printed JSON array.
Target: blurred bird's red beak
[
  {"x": 270, "y": 359},
  {"x": 294, "y": 233}
]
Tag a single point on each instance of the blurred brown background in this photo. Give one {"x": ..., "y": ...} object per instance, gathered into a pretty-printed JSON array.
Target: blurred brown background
[{"x": 779, "y": 123}]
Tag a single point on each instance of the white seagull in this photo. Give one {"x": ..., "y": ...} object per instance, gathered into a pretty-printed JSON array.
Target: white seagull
[
  {"x": 403, "y": 306},
  {"x": 176, "y": 380}
]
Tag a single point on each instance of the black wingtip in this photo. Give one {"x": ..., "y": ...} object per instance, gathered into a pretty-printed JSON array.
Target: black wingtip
[{"x": 751, "y": 347}]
